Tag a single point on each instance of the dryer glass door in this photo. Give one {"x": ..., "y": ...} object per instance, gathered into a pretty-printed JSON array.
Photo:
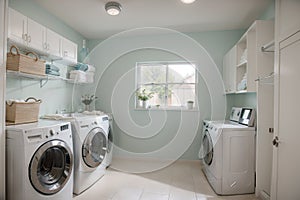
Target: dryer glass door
[
  {"x": 94, "y": 147},
  {"x": 208, "y": 148},
  {"x": 51, "y": 167}
]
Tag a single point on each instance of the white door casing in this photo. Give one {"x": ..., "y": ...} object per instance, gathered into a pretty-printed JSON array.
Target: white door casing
[{"x": 3, "y": 38}]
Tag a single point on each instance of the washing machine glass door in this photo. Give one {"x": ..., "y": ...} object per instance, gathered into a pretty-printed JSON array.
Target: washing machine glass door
[
  {"x": 94, "y": 147},
  {"x": 51, "y": 167},
  {"x": 207, "y": 148},
  {"x": 110, "y": 141}
]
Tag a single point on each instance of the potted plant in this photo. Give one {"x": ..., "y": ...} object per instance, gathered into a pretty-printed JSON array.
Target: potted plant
[
  {"x": 87, "y": 100},
  {"x": 144, "y": 97},
  {"x": 190, "y": 104}
]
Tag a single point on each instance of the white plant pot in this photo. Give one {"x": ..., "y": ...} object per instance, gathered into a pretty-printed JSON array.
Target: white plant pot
[
  {"x": 145, "y": 104},
  {"x": 190, "y": 105}
]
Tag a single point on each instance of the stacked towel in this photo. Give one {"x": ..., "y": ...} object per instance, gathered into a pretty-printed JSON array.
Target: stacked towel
[
  {"x": 81, "y": 66},
  {"x": 243, "y": 84},
  {"x": 52, "y": 70},
  {"x": 83, "y": 73},
  {"x": 78, "y": 76},
  {"x": 90, "y": 73}
]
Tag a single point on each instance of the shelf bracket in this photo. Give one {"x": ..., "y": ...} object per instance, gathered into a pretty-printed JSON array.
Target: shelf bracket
[{"x": 43, "y": 82}]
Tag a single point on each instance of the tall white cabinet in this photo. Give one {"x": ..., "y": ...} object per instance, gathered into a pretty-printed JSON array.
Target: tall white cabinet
[
  {"x": 3, "y": 36},
  {"x": 286, "y": 159}
]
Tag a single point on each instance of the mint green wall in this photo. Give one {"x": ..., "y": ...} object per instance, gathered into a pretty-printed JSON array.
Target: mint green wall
[
  {"x": 57, "y": 94},
  {"x": 269, "y": 13},
  {"x": 217, "y": 43}
]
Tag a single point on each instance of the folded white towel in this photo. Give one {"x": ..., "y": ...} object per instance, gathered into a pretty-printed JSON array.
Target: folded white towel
[
  {"x": 94, "y": 112},
  {"x": 91, "y": 68}
]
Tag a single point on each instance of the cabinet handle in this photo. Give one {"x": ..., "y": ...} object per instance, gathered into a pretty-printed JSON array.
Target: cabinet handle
[
  {"x": 29, "y": 38},
  {"x": 45, "y": 46},
  {"x": 24, "y": 37}
]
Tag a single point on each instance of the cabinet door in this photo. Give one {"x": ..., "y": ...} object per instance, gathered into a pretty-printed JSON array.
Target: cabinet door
[
  {"x": 17, "y": 26},
  {"x": 53, "y": 43},
  {"x": 35, "y": 33},
  {"x": 69, "y": 50},
  {"x": 229, "y": 70},
  {"x": 232, "y": 69},
  {"x": 288, "y": 15},
  {"x": 286, "y": 163},
  {"x": 226, "y": 72}
]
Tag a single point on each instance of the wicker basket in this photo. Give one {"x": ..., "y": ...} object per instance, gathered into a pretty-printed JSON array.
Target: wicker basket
[
  {"x": 23, "y": 112},
  {"x": 24, "y": 63}
]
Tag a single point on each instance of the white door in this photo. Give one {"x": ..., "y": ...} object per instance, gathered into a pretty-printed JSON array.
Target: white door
[
  {"x": 17, "y": 26},
  {"x": 286, "y": 165},
  {"x": 53, "y": 44},
  {"x": 3, "y": 35},
  {"x": 35, "y": 35},
  {"x": 69, "y": 50}
]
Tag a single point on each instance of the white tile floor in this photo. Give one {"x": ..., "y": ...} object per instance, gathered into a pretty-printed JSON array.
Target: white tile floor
[{"x": 183, "y": 180}]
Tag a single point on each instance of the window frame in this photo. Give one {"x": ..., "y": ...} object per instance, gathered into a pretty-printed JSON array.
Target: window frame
[{"x": 166, "y": 85}]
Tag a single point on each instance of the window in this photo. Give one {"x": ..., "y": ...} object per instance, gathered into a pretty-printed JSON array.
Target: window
[{"x": 171, "y": 83}]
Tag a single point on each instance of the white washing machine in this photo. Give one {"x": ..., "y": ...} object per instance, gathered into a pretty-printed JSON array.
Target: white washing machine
[
  {"x": 108, "y": 158},
  {"x": 90, "y": 138},
  {"x": 39, "y": 161},
  {"x": 229, "y": 153}
]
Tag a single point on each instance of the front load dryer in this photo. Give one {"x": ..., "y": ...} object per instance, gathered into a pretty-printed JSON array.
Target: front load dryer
[
  {"x": 39, "y": 161},
  {"x": 90, "y": 138},
  {"x": 108, "y": 158},
  {"x": 229, "y": 154}
]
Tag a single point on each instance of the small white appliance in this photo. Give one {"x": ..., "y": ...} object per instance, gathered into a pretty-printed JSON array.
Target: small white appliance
[
  {"x": 39, "y": 161},
  {"x": 90, "y": 138},
  {"x": 108, "y": 158},
  {"x": 228, "y": 153}
]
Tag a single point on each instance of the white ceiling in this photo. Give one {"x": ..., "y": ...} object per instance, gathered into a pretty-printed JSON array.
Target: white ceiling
[{"x": 89, "y": 18}]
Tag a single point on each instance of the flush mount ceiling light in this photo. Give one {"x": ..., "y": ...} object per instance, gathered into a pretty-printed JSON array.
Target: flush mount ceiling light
[
  {"x": 188, "y": 1},
  {"x": 113, "y": 8}
]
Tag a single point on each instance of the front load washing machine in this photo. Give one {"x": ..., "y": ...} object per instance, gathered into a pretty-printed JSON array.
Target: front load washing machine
[
  {"x": 90, "y": 138},
  {"x": 39, "y": 161}
]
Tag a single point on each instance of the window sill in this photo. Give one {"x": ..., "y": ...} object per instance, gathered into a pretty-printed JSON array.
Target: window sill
[{"x": 168, "y": 109}]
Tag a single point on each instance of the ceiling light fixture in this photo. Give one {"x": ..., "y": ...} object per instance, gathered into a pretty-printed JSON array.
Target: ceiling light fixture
[
  {"x": 188, "y": 1},
  {"x": 113, "y": 8}
]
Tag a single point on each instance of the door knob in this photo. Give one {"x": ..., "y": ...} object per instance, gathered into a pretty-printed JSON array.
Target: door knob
[{"x": 275, "y": 141}]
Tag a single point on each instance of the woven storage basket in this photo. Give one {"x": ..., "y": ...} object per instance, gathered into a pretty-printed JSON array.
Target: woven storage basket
[
  {"x": 24, "y": 63},
  {"x": 23, "y": 112}
]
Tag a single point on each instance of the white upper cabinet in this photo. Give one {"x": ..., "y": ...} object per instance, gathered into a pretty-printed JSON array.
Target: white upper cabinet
[
  {"x": 28, "y": 34},
  {"x": 288, "y": 15},
  {"x": 229, "y": 70},
  {"x": 35, "y": 33},
  {"x": 69, "y": 50},
  {"x": 17, "y": 26},
  {"x": 52, "y": 43}
]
